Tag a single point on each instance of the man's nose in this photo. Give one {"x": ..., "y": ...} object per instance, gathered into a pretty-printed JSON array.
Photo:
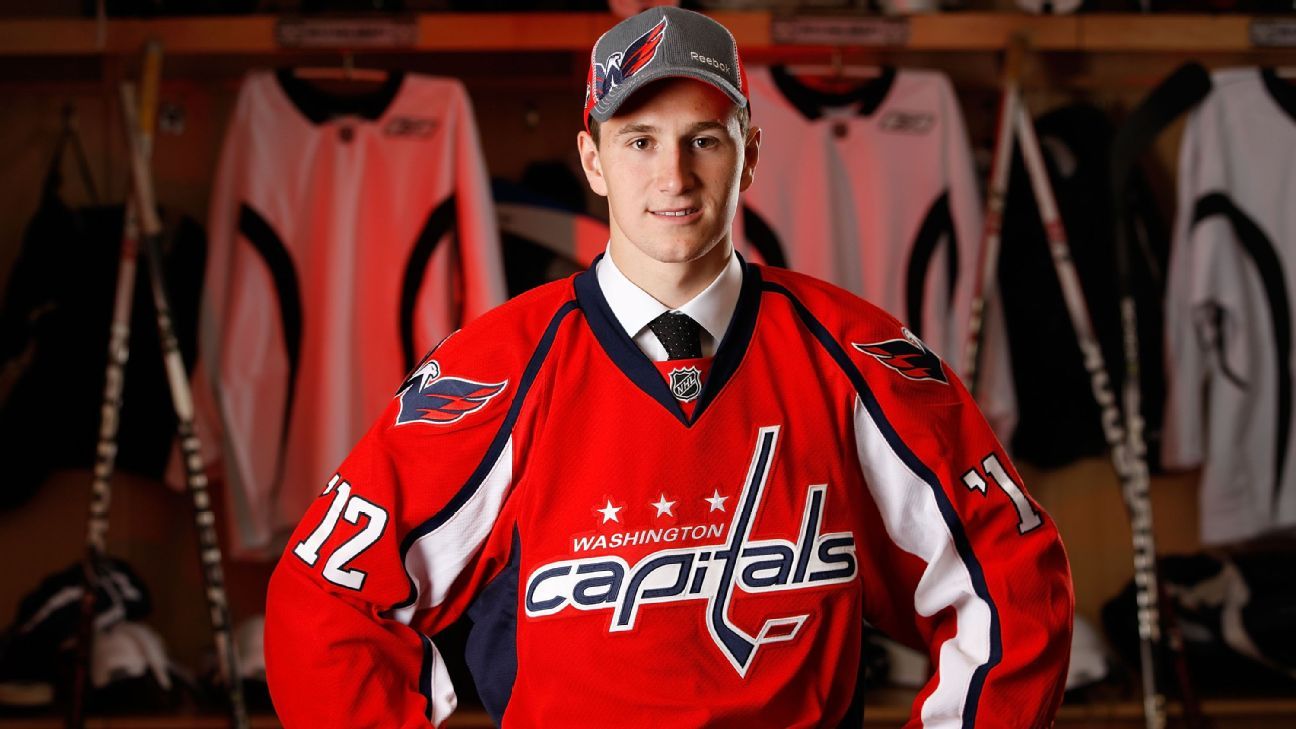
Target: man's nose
[{"x": 674, "y": 169}]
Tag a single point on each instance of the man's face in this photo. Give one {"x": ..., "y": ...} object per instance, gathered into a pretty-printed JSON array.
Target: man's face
[{"x": 671, "y": 163}]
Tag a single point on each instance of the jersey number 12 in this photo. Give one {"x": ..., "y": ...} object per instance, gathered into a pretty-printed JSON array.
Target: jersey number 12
[{"x": 349, "y": 507}]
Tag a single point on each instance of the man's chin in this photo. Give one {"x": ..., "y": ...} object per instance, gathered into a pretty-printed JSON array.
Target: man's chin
[
  {"x": 676, "y": 247},
  {"x": 680, "y": 251}
]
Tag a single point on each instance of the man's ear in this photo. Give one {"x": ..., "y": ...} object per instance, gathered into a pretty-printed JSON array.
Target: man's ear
[
  {"x": 590, "y": 162},
  {"x": 751, "y": 153}
]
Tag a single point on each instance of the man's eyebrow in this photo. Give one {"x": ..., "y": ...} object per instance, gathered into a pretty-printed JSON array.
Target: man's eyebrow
[
  {"x": 643, "y": 128},
  {"x": 707, "y": 126},
  {"x": 636, "y": 128}
]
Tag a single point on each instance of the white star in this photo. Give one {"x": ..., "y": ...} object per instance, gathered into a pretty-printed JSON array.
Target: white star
[
  {"x": 609, "y": 512},
  {"x": 716, "y": 500},
  {"x": 663, "y": 506}
]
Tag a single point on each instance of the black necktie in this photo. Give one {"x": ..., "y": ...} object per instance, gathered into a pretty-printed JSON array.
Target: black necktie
[{"x": 679, "y": 334}]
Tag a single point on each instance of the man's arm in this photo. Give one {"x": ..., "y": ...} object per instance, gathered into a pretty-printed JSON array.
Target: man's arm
[
  {"x": 966, "y": 565},
  {"x": 402, "y": 537}
]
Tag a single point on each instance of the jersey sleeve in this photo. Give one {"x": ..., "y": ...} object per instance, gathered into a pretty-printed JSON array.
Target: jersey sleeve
[
  {"x": 966, "y": 565},
  {"x": 1188, "y": 284},
  {"x": 219, "y": 339},
  {"x": 394, "y": 549}
]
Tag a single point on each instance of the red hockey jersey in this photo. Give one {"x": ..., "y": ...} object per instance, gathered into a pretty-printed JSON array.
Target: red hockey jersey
[{"x": 625, "y": 564}]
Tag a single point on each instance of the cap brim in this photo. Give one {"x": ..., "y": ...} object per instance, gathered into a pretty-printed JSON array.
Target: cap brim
[{"x": 607, "y": 107}]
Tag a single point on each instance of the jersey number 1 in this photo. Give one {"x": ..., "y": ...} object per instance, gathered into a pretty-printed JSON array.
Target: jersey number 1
[
  {"x": 349, "y": 507},
  {"x": 1027, "y": 517}
]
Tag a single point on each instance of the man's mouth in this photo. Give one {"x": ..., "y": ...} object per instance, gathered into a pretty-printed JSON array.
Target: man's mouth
[{"x": 678, "y": 213}]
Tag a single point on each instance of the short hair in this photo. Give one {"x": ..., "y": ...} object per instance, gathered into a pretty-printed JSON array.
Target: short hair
[{"x": 744, "y": 124}]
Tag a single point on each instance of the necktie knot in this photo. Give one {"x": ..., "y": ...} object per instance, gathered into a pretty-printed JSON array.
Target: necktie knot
[{"x": 679, "y": 334}]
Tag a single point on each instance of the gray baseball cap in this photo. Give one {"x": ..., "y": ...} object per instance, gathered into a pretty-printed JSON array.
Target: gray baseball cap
[{"x": 658, "y": 43}]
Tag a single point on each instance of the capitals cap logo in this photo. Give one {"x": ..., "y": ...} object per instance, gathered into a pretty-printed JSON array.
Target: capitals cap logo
[
  {"x": 427, "y": 397},
  {"x": 621, "y": 65},
  {"x": 908, "y": 356}
]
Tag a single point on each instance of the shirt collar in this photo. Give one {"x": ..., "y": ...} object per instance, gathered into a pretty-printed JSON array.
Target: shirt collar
[{"x": 633, "y": 307}]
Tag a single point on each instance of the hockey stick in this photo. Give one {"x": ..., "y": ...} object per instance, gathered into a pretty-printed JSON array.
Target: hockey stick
[
  {"x": 178, "y": 382},
  {"x": 996, "y": 197},
  {"x": 1171, "y": 98},
  {"x": 110, "y": 408},
  {"x": 1128, "y": 453}
]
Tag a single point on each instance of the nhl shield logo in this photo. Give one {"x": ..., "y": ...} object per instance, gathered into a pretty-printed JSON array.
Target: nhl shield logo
[{"x": 686, "y": 383}]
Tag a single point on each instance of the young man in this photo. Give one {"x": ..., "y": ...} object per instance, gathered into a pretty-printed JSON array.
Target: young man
[{"x": 670, "y": 490}]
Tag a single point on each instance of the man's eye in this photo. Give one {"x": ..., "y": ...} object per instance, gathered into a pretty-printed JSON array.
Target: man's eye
[
  {"x": 704, "y": 142},
  {"x": 640, "y": 143}
]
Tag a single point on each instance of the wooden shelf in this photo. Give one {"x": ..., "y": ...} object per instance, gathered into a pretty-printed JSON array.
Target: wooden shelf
[
  {"x": 575, "y": 32},
  {"x": 1200, "y": 33}
]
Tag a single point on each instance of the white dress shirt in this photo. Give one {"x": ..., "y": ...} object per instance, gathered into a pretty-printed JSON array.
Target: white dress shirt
[{"x": 634, "y": 308}]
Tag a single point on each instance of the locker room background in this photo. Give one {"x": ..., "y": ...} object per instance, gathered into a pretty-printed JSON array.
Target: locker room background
[{"x": 526, "y": 107}]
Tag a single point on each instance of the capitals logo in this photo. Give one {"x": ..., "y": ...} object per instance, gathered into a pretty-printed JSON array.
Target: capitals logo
[
  {"x": 908, "y": 356},
  {"x": 427, "y": 397},
  {"x": 712, "y": 573},
  {"x": 624, "y": 64}
]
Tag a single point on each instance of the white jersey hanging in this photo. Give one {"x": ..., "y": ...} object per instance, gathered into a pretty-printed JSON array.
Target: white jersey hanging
[
  {"x": 348, "y": 235},
  {"x": 1229, "y": 305},
  {"x": 874, "y": 189}
]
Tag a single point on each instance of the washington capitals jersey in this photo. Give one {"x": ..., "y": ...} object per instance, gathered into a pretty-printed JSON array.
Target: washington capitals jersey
[
  {"x": 874, "y": 190},
  {"x": 347, "y": 235},
  {"x": 1229, "y": 306},
  {"x": 627, "y": 562}
]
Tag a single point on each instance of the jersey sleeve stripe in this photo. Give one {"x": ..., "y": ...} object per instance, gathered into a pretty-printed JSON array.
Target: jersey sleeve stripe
[
  {"x": 270, "y": 247},
  {"x": 435, "y": 560},
  {"x": 1269, "y": 268},
  {"x": 899, "y": 491},
  {"x": 937, "y": 226},
  {"x": 489, "y": 462},
  {"x": 904, "y": 461}
]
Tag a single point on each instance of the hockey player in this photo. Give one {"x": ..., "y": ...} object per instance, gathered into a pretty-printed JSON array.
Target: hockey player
[{"x": 670, "y": 490}]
